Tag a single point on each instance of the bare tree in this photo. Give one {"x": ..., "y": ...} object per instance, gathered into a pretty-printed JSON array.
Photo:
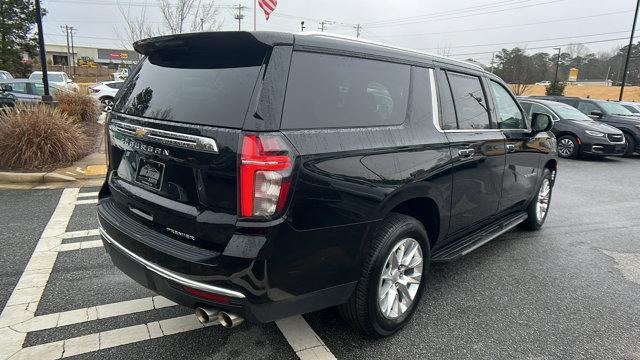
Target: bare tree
[
  {"x": 577, "y": 49},
  {"x": 189, "y": 15},
  {"x": 444, "y": 50},
  {"x": 137, "y": 26}
]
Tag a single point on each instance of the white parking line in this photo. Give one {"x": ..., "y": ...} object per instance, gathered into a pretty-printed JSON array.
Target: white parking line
[
  {"x": 18, "y": 316},
  {"x": 86, "y": 202},
  {"x": 80, "y": 245},
  {"x": 88, "y": 194},
  {"x": 304, "y": 341}
]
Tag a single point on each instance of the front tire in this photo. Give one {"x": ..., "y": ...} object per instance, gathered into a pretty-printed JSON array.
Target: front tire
[
  {"x": 568, "y": 147},
  {"x": 539, "y": 208},
  {"x": 392, "y": 280},
  {"x": 631, "y": 145}
]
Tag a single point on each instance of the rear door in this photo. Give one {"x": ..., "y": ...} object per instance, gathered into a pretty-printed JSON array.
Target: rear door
[
  {"x": 523, "y": 152},
  {"x": 476, "y": 149}
]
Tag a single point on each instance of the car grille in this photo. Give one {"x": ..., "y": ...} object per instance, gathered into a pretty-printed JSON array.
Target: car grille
[{"x": 615, "y": 138}]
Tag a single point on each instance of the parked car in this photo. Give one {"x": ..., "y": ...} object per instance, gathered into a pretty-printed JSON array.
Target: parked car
[
  {"x": 576, "y": 133},
  {"x": 610, "y": 113},
  {"x": 7, "y": 99},
  {"x": 105, "y": 92},
  {"x": 58, "y": 78},
  {"x": 634, "y": 107},
  {"x": 5, "y": 75},
  {"x": 544, "y": 82},
  {"x": 26, "y": 90},
  {"x": 248, "y": 188},
  {"x": 120, "y": 75}
]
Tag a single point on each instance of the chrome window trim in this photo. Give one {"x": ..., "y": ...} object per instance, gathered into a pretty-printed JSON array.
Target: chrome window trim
[
  {"x": 168, "y": 274},
  {"x": 165, "y": 137},
  {"x": 434, "y": 100}
]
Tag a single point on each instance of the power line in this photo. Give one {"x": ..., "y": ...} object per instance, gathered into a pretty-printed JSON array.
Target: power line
[
  {"x": 545, "y": 47},
  {"x": 447, "y": 12},
  {"x": 463, "y": 16},
  {"x": 507, "y": 26},
  {"x": 528, "y": 41}
]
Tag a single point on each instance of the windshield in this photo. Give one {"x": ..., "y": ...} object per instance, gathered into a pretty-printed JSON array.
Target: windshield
[
  {"x": 569, "y": 112},
  {"x": 52, "y": 77},
  {"x": 614, "y": 108}
]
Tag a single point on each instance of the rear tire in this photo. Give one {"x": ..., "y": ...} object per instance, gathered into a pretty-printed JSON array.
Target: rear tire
[
  {"x": 568, "y": 147},
  {"x": 382, "y": 301},
  {"x": 631, "y": 145},
  {"x": 539, "y": 208}
]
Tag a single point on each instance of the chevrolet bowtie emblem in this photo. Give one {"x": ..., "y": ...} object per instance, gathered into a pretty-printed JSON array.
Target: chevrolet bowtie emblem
[{"x": 140, "y": 132}]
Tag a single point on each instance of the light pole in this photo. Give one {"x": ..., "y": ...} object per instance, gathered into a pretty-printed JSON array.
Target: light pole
[
  {"x": 43, "y": 57},
  {"x": 555, "y": 78}
]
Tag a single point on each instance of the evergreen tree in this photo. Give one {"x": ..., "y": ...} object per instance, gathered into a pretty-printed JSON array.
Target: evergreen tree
[{"x": 17, "y": 19}]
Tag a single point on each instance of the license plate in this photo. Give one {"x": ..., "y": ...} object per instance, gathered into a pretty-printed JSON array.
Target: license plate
[{"x": 150, "y": 173}]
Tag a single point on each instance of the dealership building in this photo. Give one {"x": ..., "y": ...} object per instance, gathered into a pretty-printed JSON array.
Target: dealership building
[{"x": 58, "y": 55}]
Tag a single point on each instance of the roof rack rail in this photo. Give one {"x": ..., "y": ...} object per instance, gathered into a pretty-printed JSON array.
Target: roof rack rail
[{"x": 385, "y": 45}]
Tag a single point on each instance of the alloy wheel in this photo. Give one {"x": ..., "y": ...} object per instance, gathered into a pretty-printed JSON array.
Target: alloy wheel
[
  {"x": 107, "y": 105},
  {"x": 544, "y": 195},
  {"x": 400, "y": 278},
  {"x": 566, "y": 147}
]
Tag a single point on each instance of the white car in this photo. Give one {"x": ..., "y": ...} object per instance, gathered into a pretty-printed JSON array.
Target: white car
[
  {"x": 57, "y": 78},
  {"x": 634, "y": 107},
  {"x": 544, "y": 83},
  {"x": 105, "y": 92}
]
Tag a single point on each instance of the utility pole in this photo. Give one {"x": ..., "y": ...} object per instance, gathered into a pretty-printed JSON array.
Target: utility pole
[
  {"x": 323, "y": 24},
  {"x": 555, "y": 78},
  {"x": 66, "y": 31},
  {"x": 43, "y": 56},
  {"x": 626, "y": 62},
  {"x": 255, "y": 9},
  {"x": 358, "y": 27},
  {"x": 201, "y": 24},
  {"x": 302, "y": 26},
  {"x": 239, "y": 16},
  {"x": 493, "y": 55},
  {"x": 73, "y": 51}
]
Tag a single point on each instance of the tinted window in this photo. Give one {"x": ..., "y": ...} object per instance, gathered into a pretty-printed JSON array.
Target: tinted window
[
  {"x": 508, "y": 113},
  {"x": 587, "y": 107},
  {"x": 337, "y": 91},
  {"x": 39, "y": 89},
  {"x": 204, "y": 88},
  {"x": 447, "y": 110},
  {"x": 469, "y": 101},
  {"x": 526, "y": 106}
]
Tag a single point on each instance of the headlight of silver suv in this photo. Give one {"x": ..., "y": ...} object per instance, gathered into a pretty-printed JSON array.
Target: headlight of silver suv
[{"x": 594, "y": 133}]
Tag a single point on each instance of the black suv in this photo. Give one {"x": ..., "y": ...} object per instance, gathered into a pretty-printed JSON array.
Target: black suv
[
  {"x": 610, "y": 113},
  {"x": 577, "y": 133},
  {"x": 261, "y": 175}
]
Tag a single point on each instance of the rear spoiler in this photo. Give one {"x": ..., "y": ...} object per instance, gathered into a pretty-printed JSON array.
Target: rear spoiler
[{"x": 204, "y": 40}]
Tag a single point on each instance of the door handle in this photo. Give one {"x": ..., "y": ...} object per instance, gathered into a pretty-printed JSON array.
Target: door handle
[
  {"x": 466, "y": 152},
  {"x": 511, "y": 148}
]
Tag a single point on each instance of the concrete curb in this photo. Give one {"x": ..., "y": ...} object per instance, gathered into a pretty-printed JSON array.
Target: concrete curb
[{"x": 16, "y": 177}]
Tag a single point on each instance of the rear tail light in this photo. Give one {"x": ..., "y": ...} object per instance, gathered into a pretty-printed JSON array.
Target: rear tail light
[
  {"x": 266, "y": 165},
  {"x": 94, "y": 90}
]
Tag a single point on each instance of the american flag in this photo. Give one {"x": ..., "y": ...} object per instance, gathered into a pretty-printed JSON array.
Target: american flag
[{"x": 268, "y": 6}]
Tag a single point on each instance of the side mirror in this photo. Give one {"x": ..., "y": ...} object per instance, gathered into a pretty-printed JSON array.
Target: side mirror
[
  {"x": 6, "y": 87},
  {"x": 541, "y": 122},
  {"x": 596, "y": 114}
]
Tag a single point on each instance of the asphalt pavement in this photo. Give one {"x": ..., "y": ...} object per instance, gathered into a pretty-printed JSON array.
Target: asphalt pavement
[{"x": 568, "y": 291}]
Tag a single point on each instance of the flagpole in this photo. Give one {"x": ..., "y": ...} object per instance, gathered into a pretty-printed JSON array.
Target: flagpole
[{"x": 255, "y": 7}]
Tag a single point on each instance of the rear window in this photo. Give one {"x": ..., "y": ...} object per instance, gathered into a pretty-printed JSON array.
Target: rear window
[
  {"x": 207, "y": 88},
  {"x": 329, "y": 91}
]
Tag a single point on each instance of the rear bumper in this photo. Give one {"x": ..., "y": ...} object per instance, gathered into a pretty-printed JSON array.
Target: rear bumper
[{"x": 258, "y": 289}]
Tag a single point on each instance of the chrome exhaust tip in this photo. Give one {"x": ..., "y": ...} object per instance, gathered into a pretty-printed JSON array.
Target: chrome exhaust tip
[
  {"x": 229, "y": 320},
  {"x": 206, "y": 315}
]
